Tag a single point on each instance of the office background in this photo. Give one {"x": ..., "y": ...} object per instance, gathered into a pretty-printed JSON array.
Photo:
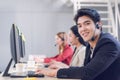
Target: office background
[{"x": 38, "y": 20}]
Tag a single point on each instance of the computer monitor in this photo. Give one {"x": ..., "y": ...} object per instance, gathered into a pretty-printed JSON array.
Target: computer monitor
[
  {"x": 22, "y": 45},
  {"x": 15, "y": 48},
  {"x": 15, "y": 43}
]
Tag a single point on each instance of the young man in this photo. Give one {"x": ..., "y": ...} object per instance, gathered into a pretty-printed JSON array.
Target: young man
[{"x": 102, "y": 60}]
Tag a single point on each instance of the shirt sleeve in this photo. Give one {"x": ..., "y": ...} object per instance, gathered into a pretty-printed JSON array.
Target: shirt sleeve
[{"x": 62, "y": 56}]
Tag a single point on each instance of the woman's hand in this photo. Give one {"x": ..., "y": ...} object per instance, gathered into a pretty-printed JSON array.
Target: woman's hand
[
  {"x": 57, "y": 65},
  {"x": 38, "y": 59}
]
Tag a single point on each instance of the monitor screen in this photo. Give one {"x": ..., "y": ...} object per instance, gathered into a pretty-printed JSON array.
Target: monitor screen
[
  {"x": 16, "y": 46},
  {"x": 22, "y": 45},
  {"x": 15, "y": 43}
]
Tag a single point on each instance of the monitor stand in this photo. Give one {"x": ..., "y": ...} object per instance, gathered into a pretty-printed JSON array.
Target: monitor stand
[{"x": 5, "y": 74}]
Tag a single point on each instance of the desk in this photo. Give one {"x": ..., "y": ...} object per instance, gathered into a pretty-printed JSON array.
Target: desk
[
  {"x": 42, "y": 78},
  {"x": 45, "y": 78}
]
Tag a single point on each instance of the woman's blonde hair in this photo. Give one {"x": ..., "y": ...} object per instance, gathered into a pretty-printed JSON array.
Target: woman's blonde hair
[{"x": 63, "y": 37}]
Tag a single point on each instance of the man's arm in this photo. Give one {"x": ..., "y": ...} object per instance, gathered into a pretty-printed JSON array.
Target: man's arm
[{"x": 104, "y": 57}]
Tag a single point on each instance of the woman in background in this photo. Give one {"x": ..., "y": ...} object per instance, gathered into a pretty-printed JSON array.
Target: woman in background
[
  {"x": 77, "y": 41},
  {"x": 79, "y": 51},
  {"x": 78, "y": 55},
  {"x": 65, "y": 50}
]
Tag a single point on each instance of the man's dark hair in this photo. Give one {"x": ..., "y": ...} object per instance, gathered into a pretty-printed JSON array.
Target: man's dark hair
[{"x": 91, "y": 13}]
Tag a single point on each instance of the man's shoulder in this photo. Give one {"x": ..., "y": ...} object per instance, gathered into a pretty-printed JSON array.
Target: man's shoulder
[{"x": 107, "y": 36}]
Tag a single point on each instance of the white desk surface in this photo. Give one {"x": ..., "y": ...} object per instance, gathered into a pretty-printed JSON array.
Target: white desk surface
[{"x": 42, "y": 78}]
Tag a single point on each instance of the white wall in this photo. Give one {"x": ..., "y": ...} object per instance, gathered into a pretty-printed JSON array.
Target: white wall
[{"x": 39, "y": 20}]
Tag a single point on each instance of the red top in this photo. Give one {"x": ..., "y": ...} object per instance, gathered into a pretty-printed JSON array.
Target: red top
[{"x": 64, "y": 57}]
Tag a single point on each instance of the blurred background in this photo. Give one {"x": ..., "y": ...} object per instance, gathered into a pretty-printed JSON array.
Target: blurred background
[{"x": 40, "y": 20}]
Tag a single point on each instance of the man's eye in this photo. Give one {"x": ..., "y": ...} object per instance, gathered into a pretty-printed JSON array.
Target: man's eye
[
  {"x": 79, "y": 26},
  {"x": 87, "y": 23}
]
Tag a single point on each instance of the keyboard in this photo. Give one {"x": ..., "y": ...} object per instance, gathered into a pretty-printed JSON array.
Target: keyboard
[
  {"x": 23, "y": 75},
  {"x": 46, "y": 65},
  {"x": 32, "y": 74},
  {"x": 18, "y": 75}
]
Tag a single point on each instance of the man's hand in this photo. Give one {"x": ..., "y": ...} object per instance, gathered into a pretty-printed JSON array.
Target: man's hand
[{"x": 47, "y": 72}]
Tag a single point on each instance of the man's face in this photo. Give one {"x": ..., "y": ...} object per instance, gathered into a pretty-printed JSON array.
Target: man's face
[{"x": 86, "y": 28}]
